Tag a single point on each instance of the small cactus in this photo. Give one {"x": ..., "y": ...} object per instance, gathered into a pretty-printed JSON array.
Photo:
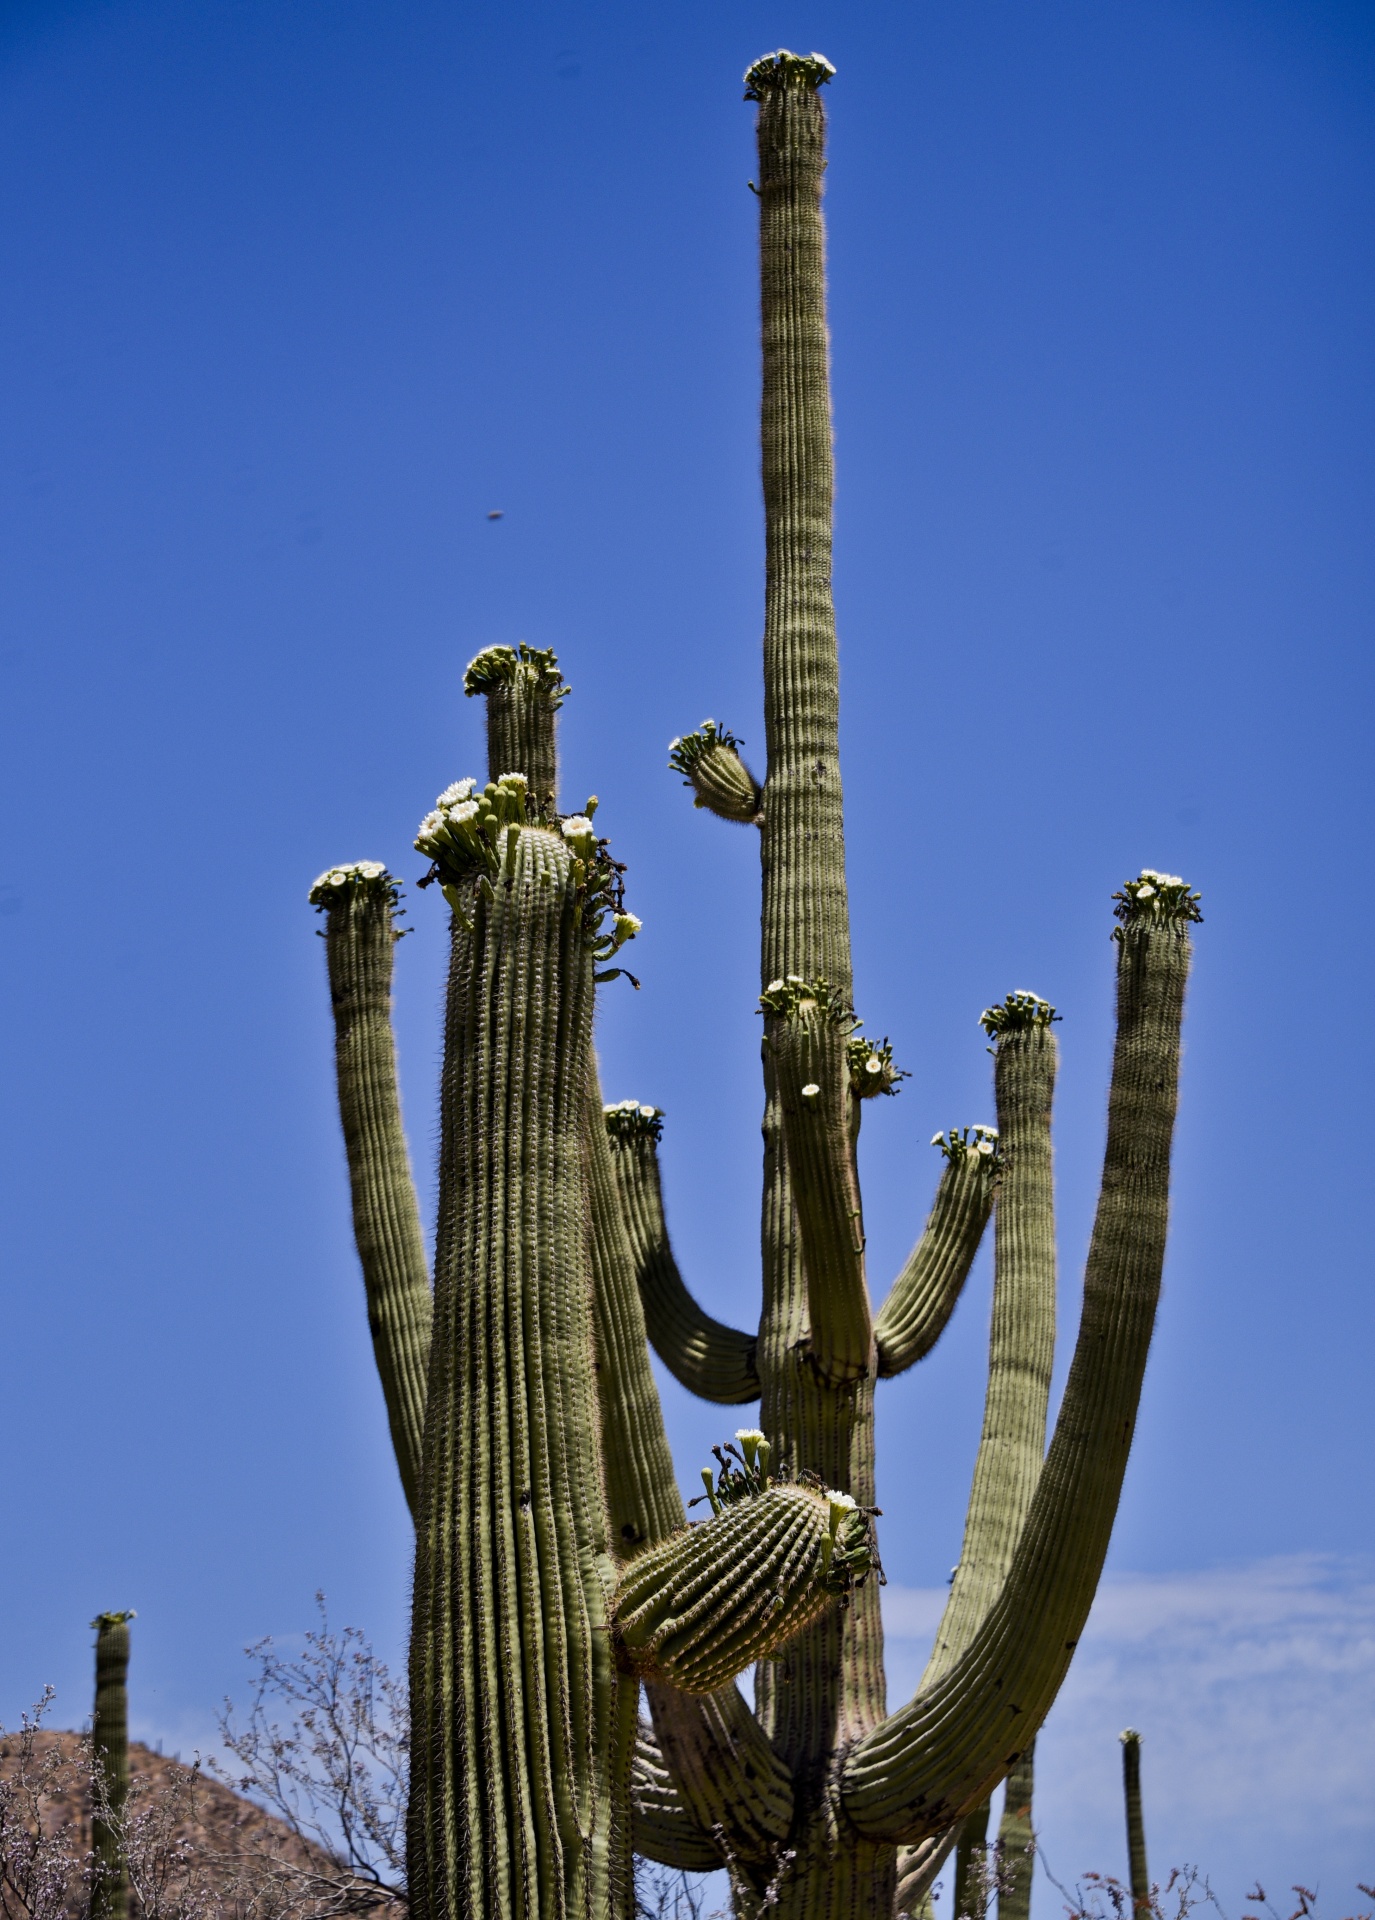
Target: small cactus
[
  {"x": 1139, "y": 1872},
  {"x": 110, "y": 1759}
]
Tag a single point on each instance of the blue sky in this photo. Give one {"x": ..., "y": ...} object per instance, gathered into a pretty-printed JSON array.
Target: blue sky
[{"x": 294, "y": 294}]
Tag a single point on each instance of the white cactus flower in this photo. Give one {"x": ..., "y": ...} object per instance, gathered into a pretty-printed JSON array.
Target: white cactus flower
[{"x": 811, "y": 1090}]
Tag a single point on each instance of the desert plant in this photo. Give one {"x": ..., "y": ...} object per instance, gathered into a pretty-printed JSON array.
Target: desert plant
[
  {"x": 110, "y": 1761},
  {"x": 1136, "y": 1824},
  {"x": 540, "y": 1459}
]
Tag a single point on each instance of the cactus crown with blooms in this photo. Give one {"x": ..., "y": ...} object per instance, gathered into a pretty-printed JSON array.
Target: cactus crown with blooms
[
  {"x": 335, "y": 884},
  {"x": 1155, "y": 899},
  {"x": 1020, "y": 1012},
  {"x": 534, "y": 668}
]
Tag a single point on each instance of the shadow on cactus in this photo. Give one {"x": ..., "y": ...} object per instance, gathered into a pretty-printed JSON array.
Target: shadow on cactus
[{"x": 555, "y": 1577}]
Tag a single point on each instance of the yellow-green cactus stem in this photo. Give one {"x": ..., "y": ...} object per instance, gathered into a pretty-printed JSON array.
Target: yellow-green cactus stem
[
  {"x": 699, "y": 1608},
  {"x": 520, "y": 1748},
  {"x": 710, "y": 763},
  {"x": 110, "y": 1756},
  {"x": 1017, "y": 1840},
  {"x": 359, "y": 902},
  {"x": 1138, "y": 1871},
  {"x": 524, "y": 691}
]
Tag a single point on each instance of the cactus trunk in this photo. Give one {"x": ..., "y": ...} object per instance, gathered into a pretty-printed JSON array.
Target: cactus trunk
[
  {"x": 110, "y": 1758},
  {"x": 521, "y": 1737},
  {"x": 1017, "y": 1840}
]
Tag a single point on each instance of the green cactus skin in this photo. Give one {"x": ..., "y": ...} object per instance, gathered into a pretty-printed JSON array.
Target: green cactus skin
[
  {"x": 110, "y": 1753},
  {"x": 1017, "y": 1840},
  {"x": 710, "y": 1359},
  {"x": 521, "y": 1742},
  {"x": 359, "y": 903},
  {"x": 700, "y": 1607},
  {"x": 923, "y": 1297},
  {"x": 524, "y": 690},
  {"x": 1142, "y": 1902},
  {"x": 663, "y": 1828},
  {"x": 712, "y": 767}
]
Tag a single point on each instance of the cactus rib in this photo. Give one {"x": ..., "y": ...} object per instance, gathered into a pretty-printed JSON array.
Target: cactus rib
[
  {"x": 702, "y": 1354},
  {"x": 924, "y": 1295},
  {"x": 359, "y": 902},
  {"x": 937, "y": 1757}
]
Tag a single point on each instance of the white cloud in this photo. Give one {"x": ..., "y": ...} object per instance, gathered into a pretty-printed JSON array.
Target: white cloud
[{"x": 1254, "y": 1690}]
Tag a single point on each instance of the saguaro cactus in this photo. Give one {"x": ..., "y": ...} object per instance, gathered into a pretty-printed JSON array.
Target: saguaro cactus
[
  {"x": 1136, "y": 1825},
  {"x": 110, "y": 1756},
  {"x": 554, "y": 1571}
]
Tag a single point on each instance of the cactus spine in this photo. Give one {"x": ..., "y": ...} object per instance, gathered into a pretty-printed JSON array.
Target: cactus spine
[
  {"x": 543, "y": 1462},
  {"x": 1142, "y": 1903},
  {"x": 110, "y": 1758}
]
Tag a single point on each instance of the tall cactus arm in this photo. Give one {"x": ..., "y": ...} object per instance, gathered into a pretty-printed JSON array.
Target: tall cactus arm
[
  {"x": 710, "y": 1359},
  {"x": 643, "y": 1501},
  {"x": 918, "y": 1868},
  {"x": 359, "y": 902},
  {"x": 1136, "y": 1825},
  {"x": 923, "y": 1297},
  {"x": 731, "y": 1780},
  {"x": 662, "y": 1826},
  {"x": 1017, "y": 1840},
  {"x": 110, "y": 1756},
  {"x": 808, "y": 1029},
  {"x": 520, "y": 1748},
  {"x": 939, "y": 1756},
  {"x": 524, "y": 690},
  {"x": 1021, "y": 1346}
]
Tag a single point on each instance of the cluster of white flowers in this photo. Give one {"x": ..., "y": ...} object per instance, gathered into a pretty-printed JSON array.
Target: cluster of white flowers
[
  {"x": 871, "y": 1067},
  {"x": 967, "y": 1143},
  {"x": 1156, "y": 896},
  {"x": 580, "y": 834},
  {"x": 792, "y": 995},
  {"x": 1019, "y": 1012},
  {"x": 626, "y": 1119},
  {"x": 335, "y": 882},
  {"x": 462, "y": 828}
]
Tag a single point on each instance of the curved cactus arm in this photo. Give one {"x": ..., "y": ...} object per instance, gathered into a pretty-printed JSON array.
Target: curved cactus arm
[
  {"x": 110, "y": 1758},
  {"x": 662, "y": 1826},
  {"x": 727, "y": 1773},
  {"x": 1136, "y": 1825},
  {"x": 643, "y": 1501},
  {"x": 708, "y": 1358},
  {"x": 359, "y": 905},
  {"x": 938, "y": 1757},
  {"x": 1017, "y": 1840},
  {"x": 524, "y": 690},
  {"x": 808, "y": 1029},
  {"x": 521, "y": 1727},
  {"x": 711, "y": 765},
  {"x": 1021, "y": 1346},
  {"x": 923, "y": 1297}
]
